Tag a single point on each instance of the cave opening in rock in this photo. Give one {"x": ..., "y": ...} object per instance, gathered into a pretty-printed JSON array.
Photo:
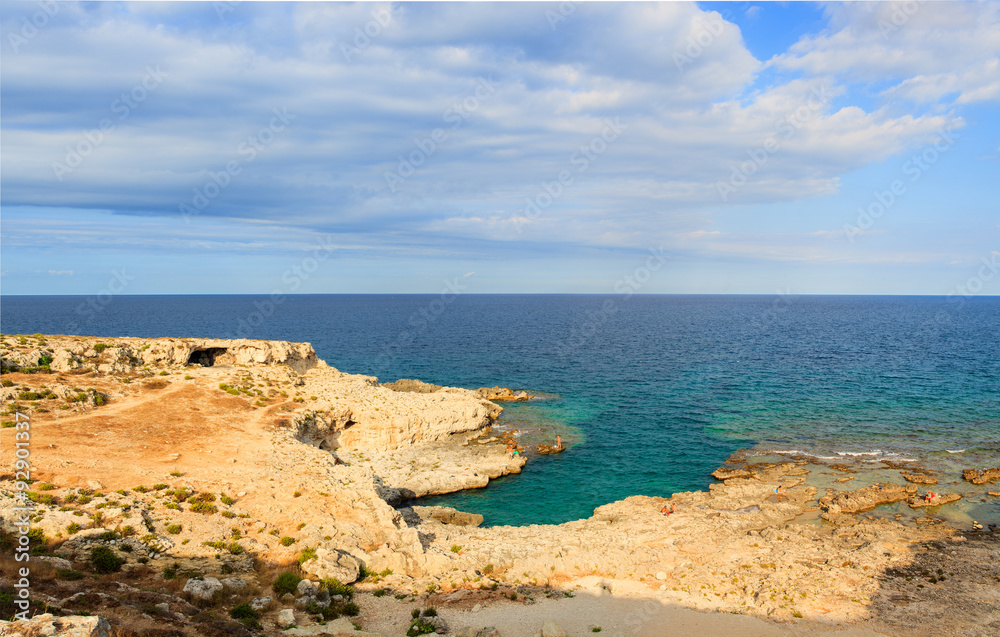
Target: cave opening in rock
[{"x": 205, "y": 357}]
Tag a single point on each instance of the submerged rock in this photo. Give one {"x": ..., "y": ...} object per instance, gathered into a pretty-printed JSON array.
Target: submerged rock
[
  {"x": 981, "y": 476},
  {"x": 918, "y": 478}
]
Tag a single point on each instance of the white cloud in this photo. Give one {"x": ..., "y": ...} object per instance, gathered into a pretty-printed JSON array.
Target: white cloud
[{"x": 932, "y": 49}]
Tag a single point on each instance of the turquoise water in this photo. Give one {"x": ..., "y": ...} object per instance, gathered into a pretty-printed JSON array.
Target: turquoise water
[{"x": 651, "y": 393}]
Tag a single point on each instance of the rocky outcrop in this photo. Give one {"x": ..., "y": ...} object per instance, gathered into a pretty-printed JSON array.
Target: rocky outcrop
[
  {"x": 52, "y": 626},
  {"x": 333, "y": 564},
  {"x": 981, "y": 476},
  {"x": 545, "y": 450},
  {"x": 503, "y": 394},
  {"x": 937, "y": 499},
  {"x": 412, "y": 385},
  {"x": 918, "y": 478},
  {"x": 122, "y": 355},
  {"x": 447, "y": 515},
  {"x": 203, "y": 588},
  {"x": 864, "y": 499}
]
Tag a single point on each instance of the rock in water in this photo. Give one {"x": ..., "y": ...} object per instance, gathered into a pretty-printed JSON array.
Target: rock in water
[
  {"x": 919, "y": 502},
  {"x": 918, "y": 478},
  {"x": 981, "y": 476},
  {"x": 548, "y": 449}
]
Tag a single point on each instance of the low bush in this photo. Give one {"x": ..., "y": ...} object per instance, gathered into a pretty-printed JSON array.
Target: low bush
[
  {"x": 105, "y": 560},
  {"x": 287, "y": 582}
]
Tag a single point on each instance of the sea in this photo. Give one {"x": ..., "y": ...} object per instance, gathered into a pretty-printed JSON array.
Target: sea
[{"x": 650, "y": 393}]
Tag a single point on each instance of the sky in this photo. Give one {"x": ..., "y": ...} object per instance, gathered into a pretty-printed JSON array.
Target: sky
[{"x": 574, "y": 147}]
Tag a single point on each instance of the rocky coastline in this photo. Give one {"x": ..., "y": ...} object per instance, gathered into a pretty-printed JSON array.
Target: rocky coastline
[{"x": 211, "y": 469}]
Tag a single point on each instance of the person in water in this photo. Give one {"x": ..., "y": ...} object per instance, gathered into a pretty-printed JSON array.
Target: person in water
[{"x": 780, "y": 492}]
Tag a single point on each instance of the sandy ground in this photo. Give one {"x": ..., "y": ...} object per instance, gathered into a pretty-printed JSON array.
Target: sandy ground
[{"x": 592, "y": 607}]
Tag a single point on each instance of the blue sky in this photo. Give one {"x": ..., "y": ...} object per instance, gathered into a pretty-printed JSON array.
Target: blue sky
[{"x": 518, "y": 147}]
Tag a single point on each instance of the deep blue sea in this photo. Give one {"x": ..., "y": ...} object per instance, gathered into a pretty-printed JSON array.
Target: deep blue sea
[{"x": 651, "y": 393}]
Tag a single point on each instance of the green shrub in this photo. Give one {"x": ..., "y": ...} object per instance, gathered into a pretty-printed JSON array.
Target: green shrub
[
  {"x": 235, "y": 548},
  {"x": 246, "y": 615},
  {"x": 203, "y": 507},
  {"x": 455, "y": 548},
  {"x": 105, "y": 560},
  {"x": 73, "y": 528},
  {"x": 228, "y": 501},
  {"x": 68, "y": 574},
  {"x": 420, "y": 627},
  {"x": 336, "y": 588},
  {"x": 170, "y": 572},
  {"x": 100, "y": 347},
  {"x": 127, "y": 530},
  {"x": 380, "y": 592},
  {"x": 174, "y": 529},
  {"x": 159, "y": 486},
  {"x": 430, "y": 611},
  {"x": 206, "y": 497},
  {"x": 307, "y": 554},
  {"x": 29, "y": 395},
  {"x": 140, "y": 489},
  {"x": 287, "y": 541},
  {"x": 350, "y": 609},
  {"x": 228, "y": 514},
  {"x": 287, "y": 582}
]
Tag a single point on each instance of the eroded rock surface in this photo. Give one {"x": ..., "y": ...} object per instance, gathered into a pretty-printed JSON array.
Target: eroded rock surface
[{"x": 981, "y": 476}]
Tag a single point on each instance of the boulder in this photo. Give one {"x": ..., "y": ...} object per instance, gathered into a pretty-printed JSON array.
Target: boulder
[
  {"x": 203, "y": 588},
  {"x": 333, "y": 564},
  {"x": 234, "y": 583},
  {"x": 261, "y": 603},
  {"x": 286, "y": 618}
]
